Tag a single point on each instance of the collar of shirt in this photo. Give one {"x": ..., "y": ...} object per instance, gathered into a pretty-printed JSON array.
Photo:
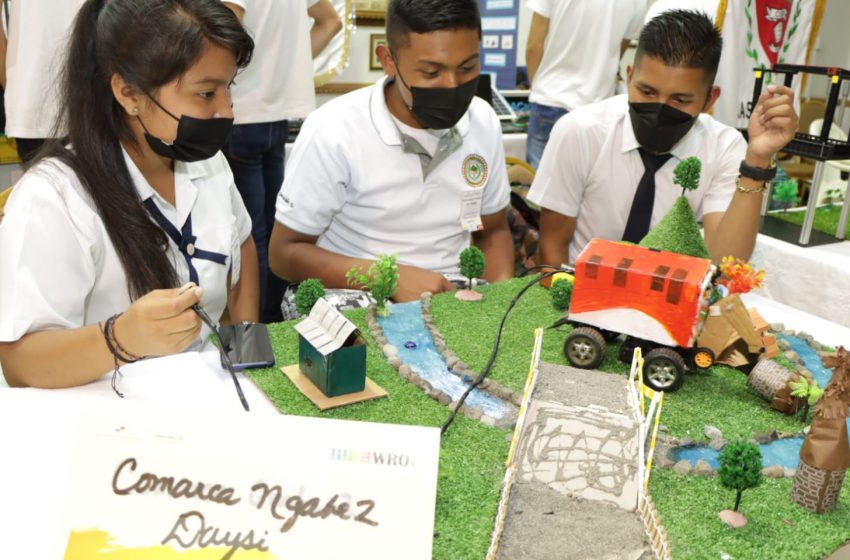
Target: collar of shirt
[
  {"x": 684, "y": 148},
  {"x": 185, "y": 191},
  {"x": 448, "y": 142},
  {"x": 382, "y": 118}
]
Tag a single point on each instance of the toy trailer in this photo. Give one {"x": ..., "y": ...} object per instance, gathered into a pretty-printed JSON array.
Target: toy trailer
[{"x": 657, "y": 299}]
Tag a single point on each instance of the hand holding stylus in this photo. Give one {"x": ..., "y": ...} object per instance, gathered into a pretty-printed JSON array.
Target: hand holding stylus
[{"x": 161, "y": 322}]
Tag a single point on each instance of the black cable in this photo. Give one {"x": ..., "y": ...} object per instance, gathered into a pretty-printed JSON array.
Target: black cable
[
  {"x": 223, "y": 351},
  {"x": 564, "y": 268},
  {"x": 495, "y": 351}
]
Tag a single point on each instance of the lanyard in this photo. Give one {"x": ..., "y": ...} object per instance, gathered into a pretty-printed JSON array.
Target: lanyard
[{"x": 184, "y": 240}]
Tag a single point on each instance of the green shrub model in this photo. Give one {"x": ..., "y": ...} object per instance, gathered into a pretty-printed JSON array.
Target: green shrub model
[
  {"x": 309, "y": 291},
  {"x": 381, "y": 281},
  {"x": 562, "y": 293}
]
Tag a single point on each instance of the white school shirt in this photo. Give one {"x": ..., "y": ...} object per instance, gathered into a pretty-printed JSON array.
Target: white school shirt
[
  {"x": 581, "y": 53},
  {"x": 278, "y": 83},
  {"x": 591, "y": 169},
  {"x": 39, "y": 31},
  {"x": 59, "y": 268},
  {"x": 349, "y": 183}
]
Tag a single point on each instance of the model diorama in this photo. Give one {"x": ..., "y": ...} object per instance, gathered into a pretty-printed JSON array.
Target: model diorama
[{"x": 684, "y": 315}]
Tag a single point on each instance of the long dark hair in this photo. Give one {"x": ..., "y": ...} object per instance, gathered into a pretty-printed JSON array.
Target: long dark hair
[{"x": 149, "y": 43}]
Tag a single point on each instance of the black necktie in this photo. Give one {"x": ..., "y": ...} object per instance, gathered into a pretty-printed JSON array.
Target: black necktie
[{"x": 640, "y": 215}]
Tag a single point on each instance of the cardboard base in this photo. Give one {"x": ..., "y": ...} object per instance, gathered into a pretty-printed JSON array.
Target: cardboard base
[{"x": 322, "y": 402}]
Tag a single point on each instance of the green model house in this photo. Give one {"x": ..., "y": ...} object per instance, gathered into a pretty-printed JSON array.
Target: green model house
[{"x": 331, "y": 352}]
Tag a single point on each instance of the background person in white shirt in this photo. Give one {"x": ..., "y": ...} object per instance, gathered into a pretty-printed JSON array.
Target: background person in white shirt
[
  {"x": 85, "y": 235},
  {"x": 276, "y": 86},
  {"x": 409, "y": 166},
  {"x": 588, "y": 180},
  {"x": 38, "y": 36},
  {"x": 573, "y": 56}
]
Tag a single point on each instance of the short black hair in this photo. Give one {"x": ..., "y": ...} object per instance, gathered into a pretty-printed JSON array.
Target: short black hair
[
  {"x": 425, "y": 16},
  {"x": 683, "y": 38}
]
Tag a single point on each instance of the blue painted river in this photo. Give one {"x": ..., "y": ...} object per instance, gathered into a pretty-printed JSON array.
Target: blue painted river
[{"x": 405, "y": 329}]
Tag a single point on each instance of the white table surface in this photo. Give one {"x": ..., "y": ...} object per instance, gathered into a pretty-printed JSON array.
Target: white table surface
[{"x": 811, "y": 279}]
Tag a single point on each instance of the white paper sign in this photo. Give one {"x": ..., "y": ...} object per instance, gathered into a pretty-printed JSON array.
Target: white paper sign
[
  {"x": 325, "y": 327},
  {"x": 148, "y": 485}
]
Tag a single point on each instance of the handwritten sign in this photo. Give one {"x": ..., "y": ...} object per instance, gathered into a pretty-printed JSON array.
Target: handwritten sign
[{"x": 155, "y": 486}]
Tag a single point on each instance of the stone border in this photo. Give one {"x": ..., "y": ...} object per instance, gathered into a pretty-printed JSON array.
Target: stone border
[
  {"x": 792, "y": 356},
  {"x": 667, "y": 446},
  {"x": 458, "y": 366},
  {"x": 391, "y": 353}
]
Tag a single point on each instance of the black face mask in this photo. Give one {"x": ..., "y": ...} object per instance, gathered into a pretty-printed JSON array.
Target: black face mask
[
  {"x": 441, "y": 108},
  {"x": 197, "y": 139},
  {"x": 658, "y": 126}
]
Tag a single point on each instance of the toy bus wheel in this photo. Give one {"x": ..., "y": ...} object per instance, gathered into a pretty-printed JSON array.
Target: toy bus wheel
[
  {"x": 584, "y": 348},
  {"x": 703, "y": 358},
  {"x": 663, "y": 369}
]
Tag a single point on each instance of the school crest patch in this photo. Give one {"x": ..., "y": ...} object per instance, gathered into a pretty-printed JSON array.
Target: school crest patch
[{"x": 475, "y": 170}]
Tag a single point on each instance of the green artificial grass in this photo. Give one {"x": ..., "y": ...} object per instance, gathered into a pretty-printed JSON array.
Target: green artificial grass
[
  {"x": 777, "y": 527},
  {"x": 472, "y": 455},
  {"x": 826, "y": 219},
  {"x": 678, "y": 232}
]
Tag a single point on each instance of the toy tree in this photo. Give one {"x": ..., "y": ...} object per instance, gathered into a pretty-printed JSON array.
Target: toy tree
[
  {"x": 678, "y": 231},
  {"x": 785, "y": 193},
  {"x": 381, "y": 281},
  {"x": 687, "y": 173},
  {"x": 740, "y": 468},
  {"x": 738, "y": 276},
  {"x": 562, "y": 292},
  {"x": 810, "y": 392},
  {"x": 833, "y": 195},
  {"x": 309, "y": 291},
  {"x": 825, "y": 455},
  {"x": 472, "y": 263}
]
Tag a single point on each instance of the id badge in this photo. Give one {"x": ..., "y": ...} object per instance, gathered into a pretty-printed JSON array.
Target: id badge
[{"x": 470, "y": 210}]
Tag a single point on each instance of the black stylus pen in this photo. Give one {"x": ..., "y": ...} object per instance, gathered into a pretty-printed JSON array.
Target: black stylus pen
[{"x": 225, "y": 358}]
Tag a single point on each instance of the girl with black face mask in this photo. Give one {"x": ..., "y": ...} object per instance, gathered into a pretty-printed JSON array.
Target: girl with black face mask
[{"x": 120, "y": 228}]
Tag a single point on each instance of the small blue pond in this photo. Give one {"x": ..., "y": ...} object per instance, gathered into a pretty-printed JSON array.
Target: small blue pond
[
  {"x": 784, "y": 452},
  {"x": 405, "y": 329}
]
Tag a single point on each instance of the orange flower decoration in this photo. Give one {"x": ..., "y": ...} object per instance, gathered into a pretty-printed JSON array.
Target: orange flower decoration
[{"x": 739, "y": 276}]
